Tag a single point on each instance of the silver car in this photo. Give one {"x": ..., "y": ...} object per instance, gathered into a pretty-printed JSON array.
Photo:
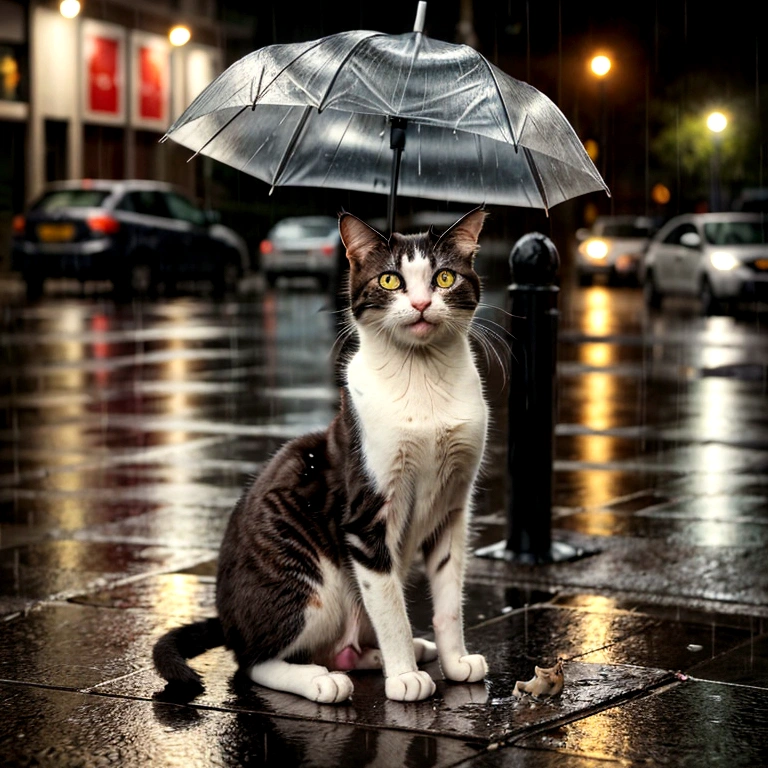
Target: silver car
[
  {"x": 720, "y": 257},
  {"x": 302, "y": 246},
  {"x": 613, "y": 246}
]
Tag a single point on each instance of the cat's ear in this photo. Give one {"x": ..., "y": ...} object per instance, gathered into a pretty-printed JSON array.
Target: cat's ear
[
  {"x": 358, "y": 238},
  {"x": 465, "y": 232}
]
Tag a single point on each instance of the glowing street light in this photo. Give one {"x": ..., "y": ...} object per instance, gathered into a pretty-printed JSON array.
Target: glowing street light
[
  {"x": 179, "y": 35},
  {"x": 600, "y": 65},
  {"x": 69, "y": 8},
  {"x": 716, "y": 122}
]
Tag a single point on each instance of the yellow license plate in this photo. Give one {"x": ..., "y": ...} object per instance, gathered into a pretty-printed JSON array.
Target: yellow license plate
[
  {"x": 762, "y": 263},
  {"x": 55, "y": 233}
]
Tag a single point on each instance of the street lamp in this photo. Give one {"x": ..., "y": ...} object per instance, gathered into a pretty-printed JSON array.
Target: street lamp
[
  {"x": 716, "y": 122},
  {"x": 600, "y": 66},
  {"x": 179, "y": 35},
  {"x": 69, "y": 8}
]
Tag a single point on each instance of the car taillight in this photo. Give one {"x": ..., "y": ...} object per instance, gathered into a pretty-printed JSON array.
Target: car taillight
[
  {"x": 105, "y": 225},
  {"x": 19, "y": 225},
  {"x": 328, "y": 250},
  {"x": 266, "y": 247}
]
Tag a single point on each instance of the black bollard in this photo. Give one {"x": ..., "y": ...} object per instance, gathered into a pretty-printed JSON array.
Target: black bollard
[{"x": 534, "y": 262}]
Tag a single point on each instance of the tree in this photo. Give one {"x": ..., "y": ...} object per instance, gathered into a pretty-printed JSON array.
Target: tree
[{"x": 683, "y": 146}]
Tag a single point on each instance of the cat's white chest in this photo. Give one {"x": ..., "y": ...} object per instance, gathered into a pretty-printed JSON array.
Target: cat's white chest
[{"x": 419, "y": 421}]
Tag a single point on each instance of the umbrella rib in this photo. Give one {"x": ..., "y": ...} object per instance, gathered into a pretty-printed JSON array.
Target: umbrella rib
[
  {"x": 501, "y": 98},
  {"x": 304, "y": 53},
  {"x": 537, "y": 178},
  {"x": 350, "y": 53},
  {"x": 291, "y": 145},
  {"x": 218, "y": 132}
]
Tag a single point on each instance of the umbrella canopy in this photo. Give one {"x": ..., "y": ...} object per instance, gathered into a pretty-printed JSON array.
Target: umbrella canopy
[{"x": 331, "y": 112}]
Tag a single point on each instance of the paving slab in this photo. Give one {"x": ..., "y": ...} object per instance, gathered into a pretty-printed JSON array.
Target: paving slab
[
  {"x": 488, "y": 713},
  {"x": 44, "y": 570},
  {"x": 723, "y": 575},
  {"x": 695, "y": 724},
  {"x": 66, "y": 729},
  {"x": 746, "y": 664}
]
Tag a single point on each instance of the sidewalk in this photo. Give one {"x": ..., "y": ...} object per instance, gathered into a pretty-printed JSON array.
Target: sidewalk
[{"x": 128, "y": 434}]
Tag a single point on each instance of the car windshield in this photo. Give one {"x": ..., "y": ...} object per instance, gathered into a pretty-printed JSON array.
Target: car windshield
[
  {"x": 736, "y": 232},
  {"x": 291, "y": 230},
  {"x": 626, "y": 231},
  {"x": 70, "y": 198}
]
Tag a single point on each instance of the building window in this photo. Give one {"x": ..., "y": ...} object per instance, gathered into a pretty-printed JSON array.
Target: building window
[{"x": 10, "y": 73}]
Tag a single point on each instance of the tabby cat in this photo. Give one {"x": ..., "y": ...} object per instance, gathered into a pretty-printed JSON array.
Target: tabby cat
[{"x": 313, "y": 563}]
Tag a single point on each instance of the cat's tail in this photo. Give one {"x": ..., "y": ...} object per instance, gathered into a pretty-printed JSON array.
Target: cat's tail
[{"x": 172, "y": 650}]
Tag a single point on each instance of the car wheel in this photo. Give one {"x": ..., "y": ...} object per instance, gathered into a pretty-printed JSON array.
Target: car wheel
[
  {"x": 141, "y": 279},
  {"x": 137, "y": 280},
  {"x": 34, "y": 285},
  {"x": 710, "y": 304},
  {"x": 271, "y": 279},
  {"x": 651, "y": 292},
  {"x": 227, "y": 279}
]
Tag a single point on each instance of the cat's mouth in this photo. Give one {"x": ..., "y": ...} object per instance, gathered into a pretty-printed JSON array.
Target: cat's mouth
[{"x": 421, "y": 327}]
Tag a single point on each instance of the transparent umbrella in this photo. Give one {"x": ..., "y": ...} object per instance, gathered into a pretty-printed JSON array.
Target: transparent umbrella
[{"x": 404, "y": 114}]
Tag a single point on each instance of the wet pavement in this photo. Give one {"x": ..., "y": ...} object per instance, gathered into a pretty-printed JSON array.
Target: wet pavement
[{"x": 128, "y": 431}]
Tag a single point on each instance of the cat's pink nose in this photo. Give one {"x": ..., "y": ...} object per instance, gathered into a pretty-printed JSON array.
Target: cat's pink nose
[{"x": 421, "y": 304}]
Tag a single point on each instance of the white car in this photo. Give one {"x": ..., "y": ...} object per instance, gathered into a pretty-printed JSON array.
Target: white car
[
  {"x": 613, "y": 247},
  {"x": 720, "y": 257}
]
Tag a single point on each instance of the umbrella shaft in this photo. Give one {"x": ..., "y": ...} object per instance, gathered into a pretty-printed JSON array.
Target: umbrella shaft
[{"x": 397, "y": 144}]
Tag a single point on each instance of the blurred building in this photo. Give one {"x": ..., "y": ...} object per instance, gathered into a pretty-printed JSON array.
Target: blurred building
[{"x": 91, "y": 96}]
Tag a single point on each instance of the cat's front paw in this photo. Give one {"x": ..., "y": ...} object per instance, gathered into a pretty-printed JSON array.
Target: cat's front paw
[
  {"x": 331, "y": 688},
  {"x": 465, "y": 669},
  {"x": 409, "y": 686}
]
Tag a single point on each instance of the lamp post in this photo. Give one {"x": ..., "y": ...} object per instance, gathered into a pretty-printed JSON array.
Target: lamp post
[
  {"x": 600, "y": 66},
  {"x": 716, "y": 122}
]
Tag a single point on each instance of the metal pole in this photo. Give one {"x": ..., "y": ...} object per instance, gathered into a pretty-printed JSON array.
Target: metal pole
[{"x": 533, "y": 295}]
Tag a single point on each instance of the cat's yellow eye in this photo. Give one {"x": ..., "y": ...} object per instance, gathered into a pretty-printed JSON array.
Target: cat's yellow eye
[
  {"x": 390, "y": 281},
  {"x": 445, "y": 278}
]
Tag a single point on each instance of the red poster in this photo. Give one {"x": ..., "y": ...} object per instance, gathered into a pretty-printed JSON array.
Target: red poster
[
  {"x": 152, "y": 76},
  {"x": 103, "y": 88}
]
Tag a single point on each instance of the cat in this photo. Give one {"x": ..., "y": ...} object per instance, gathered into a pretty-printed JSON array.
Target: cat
[
  {"x": 545, "y": 682},
  {"x": 312, "y": 566}
]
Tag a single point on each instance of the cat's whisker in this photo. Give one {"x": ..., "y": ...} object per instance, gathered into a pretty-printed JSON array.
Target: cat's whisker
[{"x": 501, "y": 310}]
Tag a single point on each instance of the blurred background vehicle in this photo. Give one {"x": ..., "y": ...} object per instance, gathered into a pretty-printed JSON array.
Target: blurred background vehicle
[
  {"x": 752, "y": 200},
  {"x": 302, "y": 246},
  {"x": 137, "y": 234},
  {"x": 613, "y": 247},
  {"x": 720, "y": 257}
]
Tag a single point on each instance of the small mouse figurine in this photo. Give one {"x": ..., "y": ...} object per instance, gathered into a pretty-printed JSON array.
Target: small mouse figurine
[{"x": 546, "y": 682}]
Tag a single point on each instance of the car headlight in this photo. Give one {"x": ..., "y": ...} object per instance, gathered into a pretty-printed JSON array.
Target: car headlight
[
  {"x": 594, "y": 248},
  {"x": 723, "y": 261}
]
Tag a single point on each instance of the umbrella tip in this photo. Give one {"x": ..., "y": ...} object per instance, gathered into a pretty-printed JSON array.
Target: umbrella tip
[{"x": 421, "y": 12}]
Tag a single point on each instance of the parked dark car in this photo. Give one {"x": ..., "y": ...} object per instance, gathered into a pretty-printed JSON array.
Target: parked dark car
[{"x": 138, "y": 234}]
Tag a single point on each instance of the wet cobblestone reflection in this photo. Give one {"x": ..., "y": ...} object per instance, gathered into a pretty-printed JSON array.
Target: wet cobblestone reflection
[{"x": 129, "y": 430}]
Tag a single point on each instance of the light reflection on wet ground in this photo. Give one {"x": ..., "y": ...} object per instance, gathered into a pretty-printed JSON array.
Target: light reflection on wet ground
[{"x": 128, "y": 431}]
